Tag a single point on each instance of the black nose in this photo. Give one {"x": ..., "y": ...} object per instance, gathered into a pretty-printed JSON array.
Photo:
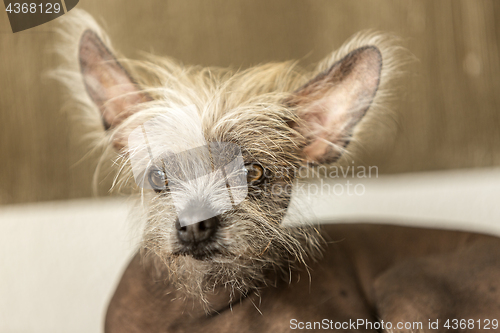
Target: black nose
[{"x": 197, "y": 232}]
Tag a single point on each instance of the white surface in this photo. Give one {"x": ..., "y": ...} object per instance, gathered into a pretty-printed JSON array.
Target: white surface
[
  {"x": 462, "y": 200},
  {"x": 59, "y": 262}
]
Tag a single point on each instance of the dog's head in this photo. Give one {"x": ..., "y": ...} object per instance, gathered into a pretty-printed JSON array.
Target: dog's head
[{"x": 215, "y": 153}]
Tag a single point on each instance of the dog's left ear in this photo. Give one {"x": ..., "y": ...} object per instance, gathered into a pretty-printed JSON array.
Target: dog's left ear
[
  {"x": 108, "y": 84},
  {"x": 331, "y": 104}
]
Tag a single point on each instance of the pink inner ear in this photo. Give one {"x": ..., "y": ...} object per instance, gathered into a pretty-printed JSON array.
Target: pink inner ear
[
  {"x": 333, "y": 103},
  {"x": 108, "y": 84}
]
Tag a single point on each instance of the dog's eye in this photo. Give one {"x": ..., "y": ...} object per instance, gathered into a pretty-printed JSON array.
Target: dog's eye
[
  {"x": 255, "y": 172},
  {"x": 157, "y": 180}
]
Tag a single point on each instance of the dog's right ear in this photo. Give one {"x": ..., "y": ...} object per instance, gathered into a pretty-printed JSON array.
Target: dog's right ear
[
  {"x": 332, "y": 103},
  {"x": 108, "y": 84}
]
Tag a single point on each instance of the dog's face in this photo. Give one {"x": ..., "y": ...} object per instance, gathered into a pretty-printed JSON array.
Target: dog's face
[{"x": 216, "y": 152}]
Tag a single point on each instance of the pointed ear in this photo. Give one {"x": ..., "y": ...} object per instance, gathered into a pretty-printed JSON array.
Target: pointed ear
[
  {"x": 331, "y": 104},
  {"x": 108, "y": 84}
]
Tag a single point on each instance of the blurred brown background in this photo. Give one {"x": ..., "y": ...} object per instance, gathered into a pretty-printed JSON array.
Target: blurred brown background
[{"x": 447, "y": 115}]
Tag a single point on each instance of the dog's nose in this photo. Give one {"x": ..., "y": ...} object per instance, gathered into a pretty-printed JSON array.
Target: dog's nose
[{"x": 197, "y": 232}]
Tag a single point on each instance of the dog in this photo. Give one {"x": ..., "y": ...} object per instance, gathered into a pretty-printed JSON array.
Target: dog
[{"x": 213, "y": 153}]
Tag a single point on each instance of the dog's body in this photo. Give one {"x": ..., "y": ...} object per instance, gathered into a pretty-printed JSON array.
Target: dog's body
[
  {"x": 371, "y": 272},
  {"x": 215, "y": 152}
]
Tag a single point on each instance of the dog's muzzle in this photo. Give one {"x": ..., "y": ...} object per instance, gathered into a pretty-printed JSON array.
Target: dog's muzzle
[{"x": 197, "y": 233}]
